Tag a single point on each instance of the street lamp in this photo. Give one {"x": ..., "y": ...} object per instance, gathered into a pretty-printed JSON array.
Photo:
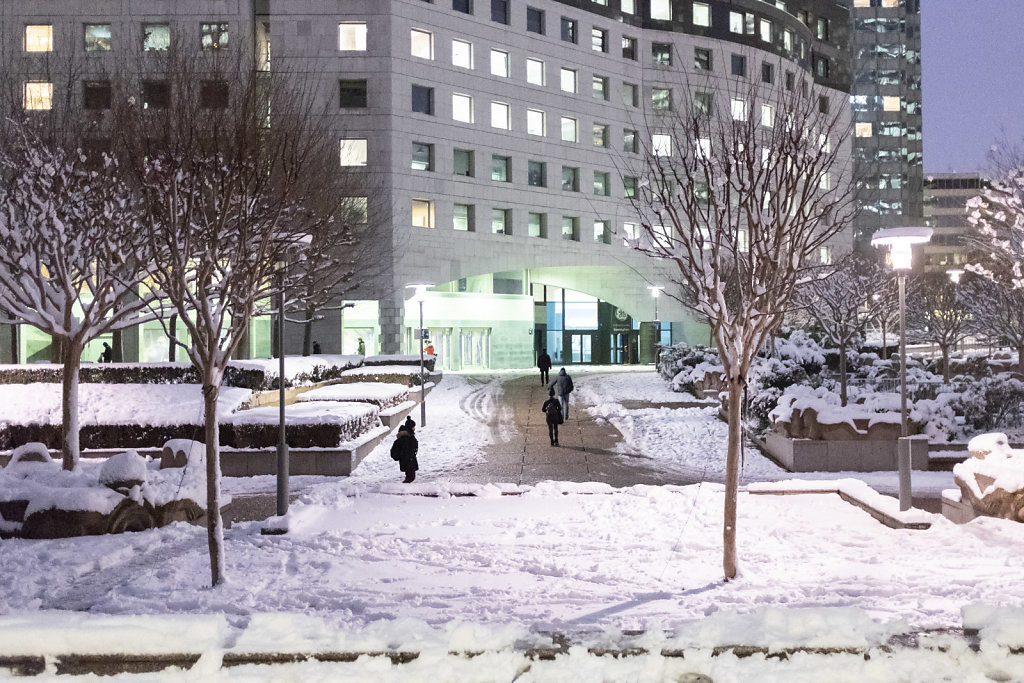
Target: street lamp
[
  {"x": 656, "y": 292},
  {"x": 900, "y": 242},
  {"x": 419, "y": 295}
]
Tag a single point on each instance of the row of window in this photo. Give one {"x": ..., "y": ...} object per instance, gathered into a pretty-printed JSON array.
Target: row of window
[
  {"x": 97, "y": 95},
  {"x": 499, "y": 221},
  {"x": 213, "y": 35}
]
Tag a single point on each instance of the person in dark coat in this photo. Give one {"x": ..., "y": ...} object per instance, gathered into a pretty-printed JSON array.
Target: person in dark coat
[
  {"x": 544, "y": 363},
  {"x": 404, "y": 450},
  {"x": 562, "y": 384},
  {"x": 316, "y": 347},
  {"x": 107, "y": 356},
  {"x": 552, "y": 409}
]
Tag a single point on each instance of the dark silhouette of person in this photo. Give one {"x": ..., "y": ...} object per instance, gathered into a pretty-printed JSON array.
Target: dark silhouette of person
[
  {"x": 544, "y": 363},
  {"x": 552, "y": 410},
  {"x": 316, "y": 347},
  {"x": 562, "y": 385},
  {"x": 404, "y": 450},
  {"x": 107, "y": 356}
]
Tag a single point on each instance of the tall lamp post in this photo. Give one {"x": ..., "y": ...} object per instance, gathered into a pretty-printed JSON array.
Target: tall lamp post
[
  {"x": 656, "y": 292},
  {"x": 419, "y": 295},
  {"x": 900, "y": 242}
]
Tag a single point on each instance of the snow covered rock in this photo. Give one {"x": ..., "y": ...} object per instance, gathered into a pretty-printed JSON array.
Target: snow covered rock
[
  {"x": 33, "y": 451},
  {"x": 123, "y": 471},
  {"x": 181, "y": 452},
  {"x": 992, "y": 479}
]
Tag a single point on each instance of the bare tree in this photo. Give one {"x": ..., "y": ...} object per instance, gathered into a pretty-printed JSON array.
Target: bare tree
[
  {"x": 937, "y": 313},
  {"x": 842, "y": 303},
  {"x": 737, "y": 207},
  {"x": 234, "y": 175},
  {"x": 70, "y": 253},
  {"x": 996, "y": 312}
]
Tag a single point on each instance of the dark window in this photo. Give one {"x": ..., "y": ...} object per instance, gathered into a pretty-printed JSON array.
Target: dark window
[
  {"x": 534, "y": 20},
  {"x": 463, "y": 162},
  {"x": 96, "y": 94},
  {"x": 156, "y": 95},
  {"x": 790, "y": 80},
  {"x": 661, "y": 53},
  {"x": 464, "y": 6},
  {"x": 213, "y": 94},
  {"x": 501, "y": 168},
  {"x": 821, "y": 67},
  {"x": 537, "y": 174},
  {"x": 822, "y": 29},
  {"x": 767, "y": 73},
  {"x": 352, "y": 93},
  {"x": 569, "y": 30},
  {"x": 739, "y": 65},
  {"x": 423, "y": 99},
  {"x": 703, "y": 103},
  {"x": 823, "y": 104},
  {"x": 422, "y": 156},
  {"x": 628, "y": 47},
  {"x": 499, "y": 11},
  {"x": 702, "y": 59}
]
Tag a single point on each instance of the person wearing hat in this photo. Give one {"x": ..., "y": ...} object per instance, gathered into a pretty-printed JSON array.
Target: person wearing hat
[{"x": 405, "y": 449}]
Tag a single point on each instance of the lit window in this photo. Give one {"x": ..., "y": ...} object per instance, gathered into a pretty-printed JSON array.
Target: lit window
[
  {"x": 39, "y": 38},
  {"x": 736, "y": 22},
  {"x": 570, "y": 228},
  {"x": 628, "y": 47},
  {"x": 630, "y": 141},
  {"x": 535, "y": 224},
  {"x": 739, "y": 109},
  {"x": 661, "y": 10},
  {"x": 568, "y": 80},
  {"x": 767, "y": 115},
  {"x": 600, "y": 135},
  {"x": 601, "y": 231},
  {"x": 701, "y": 59},
  {"x": 661, "y": 145},
  {"x": 890, "y": 103},
  {"x": 534, "y": 71},
  {"x": 501, "y": 116},
  {"x": 422, "y": 156},
  {"x": 535, "y": 122},
  {"x": 422, "y": 213},
  {"x": 97, "y": 38},
  {"x": 863, "y": 130},
  {"x": 766, "y": 30},
  {"x": 661, "y": 99},
  {"x": 352, "y": 35},
  {"x": 213, "y": 36},
  {"x": 600, "y": 87},
  {"x": 462, "y": 108},
  {"x": 630, "y": 234},
  {"x": 569, "y": 130},
  {"x": 602, "y": 183},
  {"x": 358, "y": 209},
  {"x": 701, "y": 14},
  {"x": 703, "y": 148},
  {"x": 353, "y": 151},
  {"x": 628, "y": 6},
  {"x": 499, "y": 63},
  {"x": 462, "y": 217},
  {"x": 631, "y": 94},
  {"x": 156, "y": 36},
  {"x": 462, "y": 54},
  {"x": 787, "y": 40},
  {"x": 500, "y": 222},
  {"x": 598, "y": 39},
  {"x": 501, "y": 168},
  {"x": 422, "y": 43},
  {"x": 38, "y": 96},
  {"x": 629, "y": 187},
  {"x": 703, "y": 103}
]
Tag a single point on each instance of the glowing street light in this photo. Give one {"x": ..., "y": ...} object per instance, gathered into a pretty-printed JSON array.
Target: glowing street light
[
  {"x": 900, "y": 242},
  {"x": 419, "y": 295},
  {"x": 656, "y": 292}
]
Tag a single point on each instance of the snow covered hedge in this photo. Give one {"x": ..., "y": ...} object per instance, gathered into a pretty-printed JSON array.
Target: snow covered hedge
[
  {"x": 382, "y": 395},
  {"x": 401, "y": 359}
]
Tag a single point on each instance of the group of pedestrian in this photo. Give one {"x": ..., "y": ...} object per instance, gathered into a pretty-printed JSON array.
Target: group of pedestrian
[{"x": 556, "y": 407}]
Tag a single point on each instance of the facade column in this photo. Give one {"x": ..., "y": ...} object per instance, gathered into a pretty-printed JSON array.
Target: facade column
[{"x": 392, "y": 317}]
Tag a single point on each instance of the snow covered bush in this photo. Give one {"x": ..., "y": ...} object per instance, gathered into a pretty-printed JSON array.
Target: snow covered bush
[
  {"x": 995, "y": 402},
  {"x": 684, "y": 366}
]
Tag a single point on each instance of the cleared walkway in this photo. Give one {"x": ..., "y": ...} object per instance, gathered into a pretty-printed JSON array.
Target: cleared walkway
[{"x": 586, "y": 453}]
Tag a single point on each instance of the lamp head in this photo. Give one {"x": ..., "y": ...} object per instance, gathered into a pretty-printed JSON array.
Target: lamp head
[
  {"x": 900, "y": 242},
  {"x": 655, "y": 290},
  {"x": 955, "y": 274},
  {"x": 420, "y": 290}
]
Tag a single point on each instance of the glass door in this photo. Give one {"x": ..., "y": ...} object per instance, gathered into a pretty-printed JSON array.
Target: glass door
[{"x": 581, "y": 345}]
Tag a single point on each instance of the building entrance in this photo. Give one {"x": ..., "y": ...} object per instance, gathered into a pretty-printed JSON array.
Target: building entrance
[{"x": 581, "y": 347}]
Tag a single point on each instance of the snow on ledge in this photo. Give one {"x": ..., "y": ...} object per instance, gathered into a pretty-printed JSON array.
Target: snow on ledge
[
  {"x": 998, "y": 624},
  {"x": 852, "y": 488}
]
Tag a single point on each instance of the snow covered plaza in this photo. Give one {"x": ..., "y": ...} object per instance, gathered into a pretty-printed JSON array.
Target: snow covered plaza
[{"x": 570, "y": 566}]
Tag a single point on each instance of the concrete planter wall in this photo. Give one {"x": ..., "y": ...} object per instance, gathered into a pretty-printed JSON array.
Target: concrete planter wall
[{"x": 837, "y": 455}]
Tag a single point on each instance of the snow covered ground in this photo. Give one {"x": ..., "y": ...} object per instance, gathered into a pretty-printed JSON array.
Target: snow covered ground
[{"x": 585, "y": 560}]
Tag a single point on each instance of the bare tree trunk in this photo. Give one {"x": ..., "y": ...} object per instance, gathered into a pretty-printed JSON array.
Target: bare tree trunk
[
  {"x": 214, "y": 523},
  {"x": 15, "y": 332},
  {"x": 842, "y": 375},
  {"x": 72, "y": 361},
  {"x": 118, "y": 343},
  {"x": 1020, "y": 359},
  {"x": 945, "y": 362},
  {"x": 172, "y": 329},
  {"x": 732, "y": 477},
  {"x": 307, "y": 333}
]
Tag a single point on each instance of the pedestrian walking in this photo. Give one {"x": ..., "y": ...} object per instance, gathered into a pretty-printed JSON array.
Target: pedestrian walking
[
  {"x": 361, "y": 349},
  {"x": 405, "y": 449},
  {"x": 562, "y": 384},
  {"x": 552, "y": 409},
  {"x": 544, "y": 363},
  {"x": 107, "y": 355}
]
